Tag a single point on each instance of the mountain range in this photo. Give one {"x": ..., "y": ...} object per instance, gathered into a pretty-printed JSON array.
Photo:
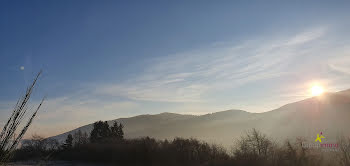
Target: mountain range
[{"x": 328, "y": 113}]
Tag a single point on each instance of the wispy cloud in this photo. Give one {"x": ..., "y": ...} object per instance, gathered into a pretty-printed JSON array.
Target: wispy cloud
[
  {"x": 341, "y": 65},
  {"x": 189, "y": 76},
  {"x": 307, "y": 36},
  {"x": 196, "y": 78}
]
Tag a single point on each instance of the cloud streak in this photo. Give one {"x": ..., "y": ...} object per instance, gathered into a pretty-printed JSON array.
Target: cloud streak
[
  {"x": 192, "y": 81},
  {"x": 190, "y": 76}
]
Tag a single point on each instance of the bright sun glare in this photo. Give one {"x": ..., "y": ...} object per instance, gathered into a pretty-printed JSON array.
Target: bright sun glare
[{"x": 317, "y": 90}]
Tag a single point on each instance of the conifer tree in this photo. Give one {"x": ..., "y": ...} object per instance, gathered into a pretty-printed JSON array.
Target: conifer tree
[{"x": 100, "y": 131}]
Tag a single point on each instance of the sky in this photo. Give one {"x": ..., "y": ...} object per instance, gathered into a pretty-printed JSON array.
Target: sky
[{"x": 104, "y": 60}]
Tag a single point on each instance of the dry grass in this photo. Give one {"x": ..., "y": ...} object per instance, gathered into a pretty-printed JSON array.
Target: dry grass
[{"x": 8, "y": 138}]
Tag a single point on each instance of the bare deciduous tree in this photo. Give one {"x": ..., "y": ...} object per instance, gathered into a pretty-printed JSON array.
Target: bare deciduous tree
[
  {"x": 254, "y": 148},
  {"x": 344, "y": 147}
]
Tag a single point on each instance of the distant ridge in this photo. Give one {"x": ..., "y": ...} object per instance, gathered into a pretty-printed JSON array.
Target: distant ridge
[{"x": 329, "y": 113}]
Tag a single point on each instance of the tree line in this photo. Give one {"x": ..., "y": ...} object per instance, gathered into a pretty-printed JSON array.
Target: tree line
[
  {"x": 101, "y": 132},
  {"x": 106, "y": 144}
]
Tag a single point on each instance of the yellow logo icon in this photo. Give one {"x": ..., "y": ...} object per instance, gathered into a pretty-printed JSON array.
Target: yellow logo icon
[{"x": 319, "y": 138}]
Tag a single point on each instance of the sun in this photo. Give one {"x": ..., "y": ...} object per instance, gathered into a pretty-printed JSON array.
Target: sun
[{"x": 317, "y": 90}]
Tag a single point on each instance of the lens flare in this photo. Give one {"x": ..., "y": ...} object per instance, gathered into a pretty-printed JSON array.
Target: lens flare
[{"x": 317, "y": 90}]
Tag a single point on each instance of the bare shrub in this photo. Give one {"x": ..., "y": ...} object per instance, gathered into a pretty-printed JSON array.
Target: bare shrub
[
  {"x": 36, "y": 148},
  {"x": 344, "y": 153},
  {"x": 297, "y": 155},
  {"x": 80, "y": 138}
]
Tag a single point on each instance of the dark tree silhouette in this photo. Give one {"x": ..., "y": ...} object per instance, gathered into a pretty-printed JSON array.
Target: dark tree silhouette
[
  {"x": 117, "y": 131},
  {"x": 100, "y": 131},
  {"x": 69, "y": 142}
]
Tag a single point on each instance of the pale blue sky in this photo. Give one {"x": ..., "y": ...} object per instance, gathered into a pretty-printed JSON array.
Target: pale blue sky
[{"x": 110, "y": 59}]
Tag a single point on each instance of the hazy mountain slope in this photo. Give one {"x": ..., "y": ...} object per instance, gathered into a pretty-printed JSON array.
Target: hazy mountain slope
[
  {"x": 136, "y": 126},
  {"x": 329, "y": 114}
]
